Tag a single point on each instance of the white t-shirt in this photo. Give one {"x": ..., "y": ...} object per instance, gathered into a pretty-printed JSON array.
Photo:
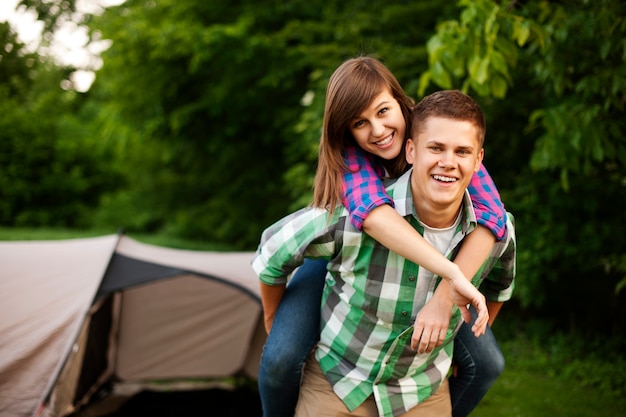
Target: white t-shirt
[{"x": 440, "y": 239}]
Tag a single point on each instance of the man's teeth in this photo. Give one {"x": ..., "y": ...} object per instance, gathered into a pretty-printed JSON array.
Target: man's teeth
[
  {"x": 385, "y": 141},
  {"x": 444, "y": 179}
]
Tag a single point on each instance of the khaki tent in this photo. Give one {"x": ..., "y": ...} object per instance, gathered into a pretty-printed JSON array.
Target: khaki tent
[{"x": 76, "y": 314}]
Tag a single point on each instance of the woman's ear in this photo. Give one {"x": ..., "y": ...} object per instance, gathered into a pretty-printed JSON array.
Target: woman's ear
[{"x": 410, "y": 151}]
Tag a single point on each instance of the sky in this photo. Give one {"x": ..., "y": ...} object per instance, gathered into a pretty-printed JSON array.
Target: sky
[{"x": 69, "y": 45}]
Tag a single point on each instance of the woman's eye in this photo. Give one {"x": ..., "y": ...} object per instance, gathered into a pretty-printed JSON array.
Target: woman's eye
[
  {"x": 358, "y": 123},
  {"x": 383, "y": 110}
]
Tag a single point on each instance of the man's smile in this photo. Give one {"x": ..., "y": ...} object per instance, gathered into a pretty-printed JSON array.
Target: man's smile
[{"x": 443, "y": 178}]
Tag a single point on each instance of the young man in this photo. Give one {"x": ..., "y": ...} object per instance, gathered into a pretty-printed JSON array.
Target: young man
[{"x": 366, "y": 362}]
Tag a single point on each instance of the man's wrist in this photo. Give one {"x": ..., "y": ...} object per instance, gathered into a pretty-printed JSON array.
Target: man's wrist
[{"x": 442, "y": 293}]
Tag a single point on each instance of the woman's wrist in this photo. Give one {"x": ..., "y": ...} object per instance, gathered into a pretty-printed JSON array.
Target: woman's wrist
[{"x": 454, "y": 274}]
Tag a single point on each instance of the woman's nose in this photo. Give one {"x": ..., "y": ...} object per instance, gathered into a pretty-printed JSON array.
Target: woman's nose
[{"x": 378, "y": 128}]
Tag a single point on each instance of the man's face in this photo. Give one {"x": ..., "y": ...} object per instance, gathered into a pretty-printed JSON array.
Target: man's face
[{"x": 444, "y": 156}]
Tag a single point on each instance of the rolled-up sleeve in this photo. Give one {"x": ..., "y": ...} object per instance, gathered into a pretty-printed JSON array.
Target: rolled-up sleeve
[
  {"x": 487, "y": 204},
  {"x": 499, "y": 282},
  {"x": 306, "y": 233},
  {"x": 363, "y": 189}
]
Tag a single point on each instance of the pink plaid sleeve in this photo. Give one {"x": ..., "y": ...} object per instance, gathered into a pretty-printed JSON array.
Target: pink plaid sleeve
[
  {"x": 489, "y": 209},
  {"x": 363, "y": 189}
]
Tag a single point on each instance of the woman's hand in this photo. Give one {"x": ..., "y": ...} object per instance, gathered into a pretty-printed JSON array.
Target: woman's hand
[{"x": 463, "y": 293}]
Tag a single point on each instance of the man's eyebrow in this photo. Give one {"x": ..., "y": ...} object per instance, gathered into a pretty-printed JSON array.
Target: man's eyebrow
[{"x": 439, "y": 143}]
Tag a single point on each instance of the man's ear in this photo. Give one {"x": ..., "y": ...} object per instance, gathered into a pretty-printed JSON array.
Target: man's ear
[
  {"x": 479, "y": 160},
  {"x": 409, "y": 151}
]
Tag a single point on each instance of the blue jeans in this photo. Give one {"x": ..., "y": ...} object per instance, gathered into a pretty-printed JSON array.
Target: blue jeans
[
  {"x": 294, "y": 333},
  {"x": 296, "y": 330},
  {"x": 480, "y": 362}
]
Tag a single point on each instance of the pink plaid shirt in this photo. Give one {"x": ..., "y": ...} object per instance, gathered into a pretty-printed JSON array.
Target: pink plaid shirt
[{"x": 364, "y": 191}]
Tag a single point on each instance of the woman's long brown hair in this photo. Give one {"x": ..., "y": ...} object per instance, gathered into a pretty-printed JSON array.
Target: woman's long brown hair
[{"x": 351, "y": 89}]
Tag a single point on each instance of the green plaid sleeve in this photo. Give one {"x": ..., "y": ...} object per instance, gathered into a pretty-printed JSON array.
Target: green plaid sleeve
[
  {"x": 307, "y": 233},
  {"x": 499, "y": 281}
]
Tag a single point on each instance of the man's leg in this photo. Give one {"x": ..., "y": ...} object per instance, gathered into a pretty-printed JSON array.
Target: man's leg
[
  {"x": 294, "y": 333},
  {"x": 317, "y": 398},
  {"x": 437, "y": 405}
]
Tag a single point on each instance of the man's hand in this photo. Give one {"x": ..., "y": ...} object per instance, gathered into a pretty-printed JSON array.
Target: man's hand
[
  {"x": 462, "y": 293},
  {"x": 431, "y": 323}
]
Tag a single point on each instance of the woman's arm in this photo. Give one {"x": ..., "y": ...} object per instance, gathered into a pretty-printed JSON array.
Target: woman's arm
[
  {"x": 391, "y": 230},
  {"x": 430, "y": 325},
  {"x": 488, "y": 206}
]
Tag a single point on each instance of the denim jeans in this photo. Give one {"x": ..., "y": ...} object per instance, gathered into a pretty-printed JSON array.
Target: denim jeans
[
  {"x": 294, "y": 333},
  {"x": 480, "y": 362},
  {"x": 296, "y": 330}
]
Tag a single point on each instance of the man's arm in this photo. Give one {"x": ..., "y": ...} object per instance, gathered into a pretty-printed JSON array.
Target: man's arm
[
  {"x": 494, "y": 308},
  {"x": 270, "y": 297},
  {"x": 281, "y": 251}
]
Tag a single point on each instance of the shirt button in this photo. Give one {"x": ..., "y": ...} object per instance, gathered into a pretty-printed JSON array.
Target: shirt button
[
  {"x": 412, "y": 278},
  {"x": 404, "y": 313}
]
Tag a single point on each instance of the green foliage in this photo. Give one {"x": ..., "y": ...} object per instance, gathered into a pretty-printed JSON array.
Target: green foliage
[
  {"x": 480, "y": 47},
  {"x": 562, "y": 68},
  {"x": 47, "y": 175},
  {"x": 205, "y": 118},
  {"x": 582, "y": 70},
  {"x": 576, "y": 58},
  {"x": 204, "y": 101}
]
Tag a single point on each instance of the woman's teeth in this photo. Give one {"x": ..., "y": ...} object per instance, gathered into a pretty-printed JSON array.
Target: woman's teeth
[{"x": 385, "y": 141}]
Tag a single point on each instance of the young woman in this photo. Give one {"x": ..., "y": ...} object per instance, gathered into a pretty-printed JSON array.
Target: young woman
[{"x": 365, "y": 127}]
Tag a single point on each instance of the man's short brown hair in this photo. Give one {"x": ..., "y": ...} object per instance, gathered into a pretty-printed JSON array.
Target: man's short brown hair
[{"x": 450, "y": 104}]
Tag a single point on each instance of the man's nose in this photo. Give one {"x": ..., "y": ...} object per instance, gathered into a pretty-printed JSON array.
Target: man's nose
[{"x": 446, "y": 160}]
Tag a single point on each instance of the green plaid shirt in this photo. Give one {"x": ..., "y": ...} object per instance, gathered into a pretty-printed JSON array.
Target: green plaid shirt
[{"x": 370, "y": 293}]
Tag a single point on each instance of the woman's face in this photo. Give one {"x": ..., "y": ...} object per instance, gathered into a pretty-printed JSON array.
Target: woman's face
[{"x": 380, "y": 128}]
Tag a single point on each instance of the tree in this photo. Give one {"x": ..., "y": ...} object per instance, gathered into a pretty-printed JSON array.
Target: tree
[
  {"x": 204, "y": 100},
  {"x": 564, "y": 63},
  {"x": 47, "y": 177},
  {"x": 211, "y": 112}
]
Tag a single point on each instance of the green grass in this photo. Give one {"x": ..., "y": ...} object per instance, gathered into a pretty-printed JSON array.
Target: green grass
[
  {"x": 556, "y": 375},
  {"x": 560, "y": 376},
  {"x": 524, "y": 393},
  {"x": 153, "y": 239}
]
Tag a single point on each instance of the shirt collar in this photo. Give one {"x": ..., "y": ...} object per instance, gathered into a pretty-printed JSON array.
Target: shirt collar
[{"x": 400, "y": 191}]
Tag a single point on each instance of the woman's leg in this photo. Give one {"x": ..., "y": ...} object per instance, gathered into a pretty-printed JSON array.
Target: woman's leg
[
  {"x": 479, "y": 363},
  {"x": 295, "y": 331}
]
